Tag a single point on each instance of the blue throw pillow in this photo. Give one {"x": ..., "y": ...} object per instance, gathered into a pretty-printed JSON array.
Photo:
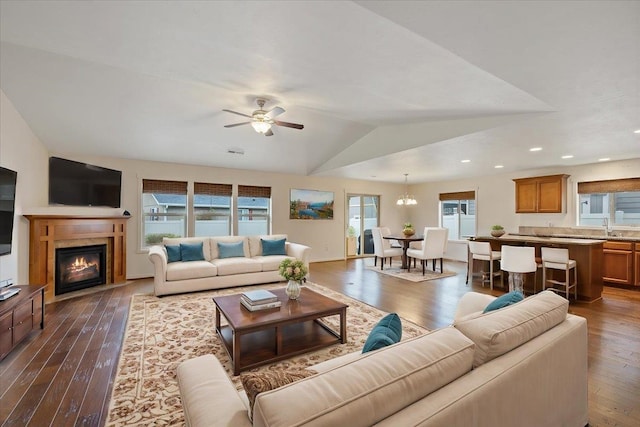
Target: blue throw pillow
[
  {"x": 388, "y": 331},
  {"x": 273, "y": 247},
  {"x": 231, "y": 250},
  {"x": 173, "y": 253},
  {"x": 191, "y": 251},
  {"x": 504, "y": 300}
]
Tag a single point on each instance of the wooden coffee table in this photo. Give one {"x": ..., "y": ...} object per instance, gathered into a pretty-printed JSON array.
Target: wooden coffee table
[{"x": 259, "y": 337}]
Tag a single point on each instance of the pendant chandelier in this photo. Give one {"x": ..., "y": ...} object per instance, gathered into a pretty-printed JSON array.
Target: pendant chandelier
[{"x": 406, "y": 198}]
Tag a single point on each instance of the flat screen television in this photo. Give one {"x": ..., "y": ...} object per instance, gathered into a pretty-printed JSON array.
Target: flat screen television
[
  {"x": 80, "y": 184},
  {"x": 7, "y": 206}
]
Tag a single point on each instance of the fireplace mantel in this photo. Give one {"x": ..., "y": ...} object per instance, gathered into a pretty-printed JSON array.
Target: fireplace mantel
[{"x": 47, "y": 231}]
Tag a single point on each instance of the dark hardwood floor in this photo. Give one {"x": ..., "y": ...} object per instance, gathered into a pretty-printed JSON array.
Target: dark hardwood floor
[{"x": 62, "y": 376}]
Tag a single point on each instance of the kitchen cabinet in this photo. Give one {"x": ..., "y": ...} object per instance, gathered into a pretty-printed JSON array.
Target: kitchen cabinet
[
  {"x": 19, "y": 315},
  {"x": 618, "y": 263},
  {"x": 542, "y": 194},
  {"x": 637, "y": 263}
]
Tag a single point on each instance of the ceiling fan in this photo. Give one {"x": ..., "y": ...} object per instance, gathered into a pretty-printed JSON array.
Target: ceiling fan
[{"x": 262, "y": 120}]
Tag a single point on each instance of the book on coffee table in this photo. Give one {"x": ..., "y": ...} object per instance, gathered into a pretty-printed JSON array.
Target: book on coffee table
[
  {"x": 256, "y": 307},
  {"x": 259, "y": 296}
]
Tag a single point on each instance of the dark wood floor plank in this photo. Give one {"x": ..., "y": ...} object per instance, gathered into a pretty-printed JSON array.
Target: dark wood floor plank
[{"x": 79, "y": 362}]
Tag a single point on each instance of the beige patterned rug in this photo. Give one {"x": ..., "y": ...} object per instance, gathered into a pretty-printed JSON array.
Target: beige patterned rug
[
  {"x": 162, "y": 332},
  {"x": 415, "y": 275}
]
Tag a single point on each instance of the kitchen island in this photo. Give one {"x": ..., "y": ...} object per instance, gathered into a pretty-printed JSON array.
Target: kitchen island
[{"x": 587, "y": 253}]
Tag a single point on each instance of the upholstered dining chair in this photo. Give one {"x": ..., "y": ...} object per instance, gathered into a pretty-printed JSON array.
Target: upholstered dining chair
[
  {"x": 433, "y": 247},
  {"x": 517, "y": 261},
  {"x": 382, "y": 247},
  {"x": 482, "y": 251}
]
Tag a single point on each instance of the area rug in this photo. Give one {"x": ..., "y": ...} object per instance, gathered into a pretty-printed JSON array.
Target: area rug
[
  {"x": 415, "y": 275},
  {"x": 163, "y": 332}
]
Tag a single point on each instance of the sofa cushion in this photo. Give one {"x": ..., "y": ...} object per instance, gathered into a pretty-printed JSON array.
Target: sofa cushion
[
  {"x": 206, "y": 250},
  {"x": 190, "y": 270},
  {"x": 228, "y": 239},
  {"x": 386, "y": 332},
  {"x": 271, "y": 262},
  {"x": 504, "y": 301},
  {"x": 255, "y": 242},
  {"x": 259, "y": 382},
  {"x": 191, "y": 251},
  {"x": 228, "y": 266},
  {"x": 371, "y": 388},
  {"x": 173, "y": 253},
  {"x": 273, "y": 247},
  {"x": 497, "y": 332},
  {"x": 230, "y": 250}
]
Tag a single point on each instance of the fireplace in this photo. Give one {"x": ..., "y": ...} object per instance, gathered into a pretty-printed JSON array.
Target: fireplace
[{"x": 80, "y": 267}]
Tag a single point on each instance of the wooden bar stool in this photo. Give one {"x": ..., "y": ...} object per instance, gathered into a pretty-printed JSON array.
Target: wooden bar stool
[
  {"x": 558, "y": 259},
  {"x": 482, "y": 251}
]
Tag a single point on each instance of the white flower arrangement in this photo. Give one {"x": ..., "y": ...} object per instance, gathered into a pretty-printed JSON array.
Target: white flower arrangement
[{"x": 292, "y": 269}]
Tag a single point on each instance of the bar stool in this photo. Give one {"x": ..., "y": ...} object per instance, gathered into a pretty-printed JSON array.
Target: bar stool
[
  {"x": 482, "y": 251},
  {"x": 558, "y": 259},
  {"x": 518, "y": 260}
]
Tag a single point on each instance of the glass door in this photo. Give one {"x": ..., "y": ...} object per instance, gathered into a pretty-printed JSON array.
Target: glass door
[{"x": 362, "y": 215}]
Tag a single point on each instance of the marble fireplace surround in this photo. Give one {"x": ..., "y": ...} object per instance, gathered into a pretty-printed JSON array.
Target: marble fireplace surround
[{"x": 48, "y": 232}]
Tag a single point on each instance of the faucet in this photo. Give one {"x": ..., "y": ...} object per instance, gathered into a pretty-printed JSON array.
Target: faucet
[{"x": 605, "y": 224}]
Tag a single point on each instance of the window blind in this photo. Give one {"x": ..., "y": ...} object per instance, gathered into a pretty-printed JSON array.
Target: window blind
[
  {"x": 609, "y": 186},
  {"x": 163, "y": 187},
  {"x": 460, "y": 195},
  {"x": 253, "y": 191}
]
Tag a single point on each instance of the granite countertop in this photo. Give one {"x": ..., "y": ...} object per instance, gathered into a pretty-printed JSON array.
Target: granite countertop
[
  {"x": 580, "y": 237},
  {"x": 545, "y": 239}
]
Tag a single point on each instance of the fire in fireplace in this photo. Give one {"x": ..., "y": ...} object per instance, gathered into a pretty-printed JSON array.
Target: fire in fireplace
[{"x": 80, "y": 267}]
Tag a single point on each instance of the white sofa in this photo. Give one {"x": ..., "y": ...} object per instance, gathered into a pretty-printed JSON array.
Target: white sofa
[
  {"x": 522, "y": 365},
  {"x": 214, "y": 272}
]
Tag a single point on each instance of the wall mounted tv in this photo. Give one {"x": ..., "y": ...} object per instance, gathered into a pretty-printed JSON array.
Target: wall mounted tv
[
  {"x": 80, "y": 184},
  {"x": 7, "y": 206}
]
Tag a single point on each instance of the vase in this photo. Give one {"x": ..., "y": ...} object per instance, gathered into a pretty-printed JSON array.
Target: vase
[
  {"x": 293, "y": 289},
  {"x": 408, "y": 232},
  {"x": 497, "y": 233}
]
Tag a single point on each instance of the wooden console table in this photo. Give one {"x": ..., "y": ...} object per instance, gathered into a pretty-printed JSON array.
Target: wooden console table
[
  {"x": 19, "y": 315},
  {"x": 47, "y": 232}
]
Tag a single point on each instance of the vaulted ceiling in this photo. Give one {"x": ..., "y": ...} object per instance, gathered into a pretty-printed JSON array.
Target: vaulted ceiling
[{"x": 383, "y": 88}]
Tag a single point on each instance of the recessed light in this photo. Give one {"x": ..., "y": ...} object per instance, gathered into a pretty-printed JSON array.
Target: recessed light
[
  {"x": 465, "y": 161},
  {"x": 636, "y": 131},
  {"x": 498, "y": 166},
  {"x": 604, "y": 159},
  {"x": 535, "y": 149},
  {"x": 568, "y": 156}
]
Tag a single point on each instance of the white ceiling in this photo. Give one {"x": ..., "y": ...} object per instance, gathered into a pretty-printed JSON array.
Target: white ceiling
[{"x": 383, "y": 88}]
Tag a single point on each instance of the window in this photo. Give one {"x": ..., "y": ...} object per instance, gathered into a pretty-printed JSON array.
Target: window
[
  {"x": 254, "y": 210},
  {"x": 164, "y": 207},
  {"x": 607, "y": 203},
  {"x": 212, "y": 209},
  {"x": 458, "y": 212}
]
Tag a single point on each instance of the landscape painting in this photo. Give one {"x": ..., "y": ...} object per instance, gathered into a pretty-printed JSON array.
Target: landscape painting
[{"x": 311, "y": 204}]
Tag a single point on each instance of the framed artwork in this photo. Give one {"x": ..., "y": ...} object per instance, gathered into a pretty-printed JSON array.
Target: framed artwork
[{"x": 311, "y": 204}]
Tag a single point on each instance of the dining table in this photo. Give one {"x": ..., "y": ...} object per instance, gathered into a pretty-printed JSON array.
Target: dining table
[{"x": 406, "y": 241}]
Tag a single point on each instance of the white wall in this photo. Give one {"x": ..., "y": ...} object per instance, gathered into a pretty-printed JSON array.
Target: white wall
[
  {"x": 495, "y": 195},
  {"x": 21, "y": 151}
]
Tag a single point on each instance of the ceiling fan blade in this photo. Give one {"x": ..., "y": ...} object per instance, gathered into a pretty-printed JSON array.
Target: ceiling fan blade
[
  {"x": 275, "y": 111},
  {"x": 289, "y": 125},
  {"x": 269, "y": 133},
  {"x": 236, "y": 124},
  {"x": 235, "y": 112}
]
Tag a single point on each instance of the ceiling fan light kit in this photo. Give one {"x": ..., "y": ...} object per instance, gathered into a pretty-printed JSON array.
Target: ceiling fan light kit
[
  {"x": 262, "y": 120},
  {"x": 406, "y": 199}
]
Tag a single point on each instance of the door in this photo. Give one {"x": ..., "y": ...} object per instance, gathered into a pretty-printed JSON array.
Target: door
[{"x": 362, "y": 215}]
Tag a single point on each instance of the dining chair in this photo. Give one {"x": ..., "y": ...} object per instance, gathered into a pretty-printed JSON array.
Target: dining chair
[
  {"x": 558, "y": 259},
  {"x": 482, "y": 251},
  {"x": 517, "y": 261},
  {"x": 433, "y": 247},
  {"x": 382, "y": 248}
]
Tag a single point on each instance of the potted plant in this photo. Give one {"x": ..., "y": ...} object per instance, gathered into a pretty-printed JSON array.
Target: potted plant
[
  {"x": 408, "y": 229},
  {"x": 497, "y": 230},
  {"x": 351, "y": 241},
  {"x": 294, "y": 271}
]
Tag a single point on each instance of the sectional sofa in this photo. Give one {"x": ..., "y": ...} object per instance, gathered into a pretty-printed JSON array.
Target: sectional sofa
[
  {"x": 521, "y": 365},
  {"x": 217, "y": 266}
]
